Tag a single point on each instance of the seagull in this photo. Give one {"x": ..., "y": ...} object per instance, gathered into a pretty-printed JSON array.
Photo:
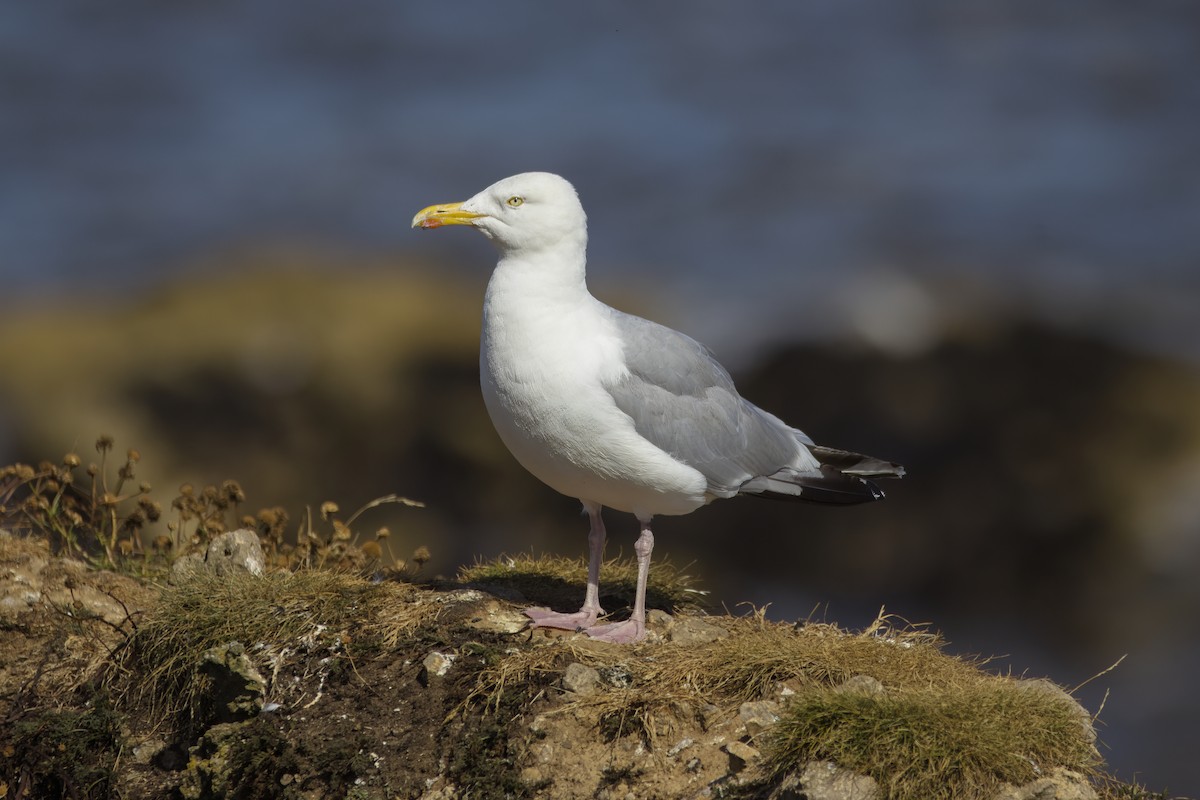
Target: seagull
[{"x": 613, "y": 409}]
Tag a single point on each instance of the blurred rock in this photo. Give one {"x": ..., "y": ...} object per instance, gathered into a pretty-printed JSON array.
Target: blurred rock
[
  {"x": 689, "y": 630},
  {"x": 1060, "y": 784},
  {"x": 823, "y": 780},
  {"x": 233, "y": 551},
  {"x": 580, "y": 679},
  {"x": 758, "y": 715}
]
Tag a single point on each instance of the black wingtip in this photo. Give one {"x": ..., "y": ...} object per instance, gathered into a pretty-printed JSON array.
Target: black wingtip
[{"x": 830, "y": 487}]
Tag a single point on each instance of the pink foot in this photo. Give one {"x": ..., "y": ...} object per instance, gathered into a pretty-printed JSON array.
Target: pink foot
[
  {"x": 545, "y": 618},
  {"x": 626, "y": 632}
]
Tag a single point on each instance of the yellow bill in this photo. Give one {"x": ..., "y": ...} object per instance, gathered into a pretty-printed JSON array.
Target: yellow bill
[{"x": 444, "y": 214}]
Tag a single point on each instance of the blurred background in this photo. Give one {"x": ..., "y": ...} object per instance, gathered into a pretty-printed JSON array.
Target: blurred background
[{"x": 962, "y": 236}]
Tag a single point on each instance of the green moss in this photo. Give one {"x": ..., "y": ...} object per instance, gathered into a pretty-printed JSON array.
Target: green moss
[{"x": 937, "y": 742}]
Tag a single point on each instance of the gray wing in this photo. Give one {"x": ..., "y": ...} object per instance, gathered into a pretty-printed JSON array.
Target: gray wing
[{"x": 684, "y": 402}]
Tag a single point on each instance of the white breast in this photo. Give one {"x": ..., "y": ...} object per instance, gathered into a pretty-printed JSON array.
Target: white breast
[{"x": 544, "y": 355}]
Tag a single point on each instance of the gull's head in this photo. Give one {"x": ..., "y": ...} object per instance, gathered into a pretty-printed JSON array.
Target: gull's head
[{"x": 530, "y": 211}]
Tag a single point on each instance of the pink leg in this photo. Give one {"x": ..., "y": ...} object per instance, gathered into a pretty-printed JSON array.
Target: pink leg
[
  {"x": 585, "y": 617},
  {"x": 634, "y": 628}
]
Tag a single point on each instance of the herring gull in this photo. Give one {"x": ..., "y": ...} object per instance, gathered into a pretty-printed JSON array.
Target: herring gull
[{"x": 613, "y": 409}]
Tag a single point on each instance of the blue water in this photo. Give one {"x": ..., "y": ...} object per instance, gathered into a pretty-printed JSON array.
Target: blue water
[
  {"x": 775, "y": 162},
  {"x": 765, "y": 155}
]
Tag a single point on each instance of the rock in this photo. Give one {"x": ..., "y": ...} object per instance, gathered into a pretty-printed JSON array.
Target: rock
[
  {"x": 864, "y": 684},
  {"x": 743, "y": 753},
  {"x": 146, "y": 752},
  {"x": 1060, "y": 784},
  {"x": 710, "y": 716},
  {"x": 496, "y": 617},
  {"x": 580, "y": 679},
  {"x": 824, "y": 780},
  {"x": 435, "y": 665},
  {"x": 237, "y": 687},
  {"x": 207, "y": 774},
  {"x": 657, "y": 618},
  {"x": 679, "y": 747},
  {"x": 235, "y": 551},
  {"x": 231, "y": 552},
  {"x": 617, "y": 676},
  {"x": 694, "y": 630},
  {"x": 759, "y": 715}
]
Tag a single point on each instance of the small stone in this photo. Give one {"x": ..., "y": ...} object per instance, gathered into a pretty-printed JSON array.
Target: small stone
[
  {"x": 742, "y": 753},
  {"x": 617, "y": 676},
  {"x": 237, "y": 687},
  {"x": 235, "y": 551},
  {"x": 710, "y": 716},
  {"x": 145, "y": 752},
  {"x": 863, "y": 684},
  {"x": 680, "y": 746},
  {"x": 580, "y": 679},
  {"x": 1060, "y": 784},
  {"x": 658, "y": 618},
  {"x": 231, "y": 552},
  {"x": 759, "y": 715},
  {"x": 694, "y": 630},
  {"x": 824, "y": 780},
  {"x": 498, "y": 617},
  {"x": 435, "y": 665}
]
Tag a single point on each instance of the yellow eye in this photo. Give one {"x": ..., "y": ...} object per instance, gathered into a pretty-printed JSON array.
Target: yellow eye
[{"x": 515, "y": 201}]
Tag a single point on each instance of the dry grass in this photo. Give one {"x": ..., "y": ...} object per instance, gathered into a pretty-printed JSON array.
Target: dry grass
[
  {"x": 941, "y": 727},
  {"x": 278, "y": 617},
  {"x": 958, "y": 741}
]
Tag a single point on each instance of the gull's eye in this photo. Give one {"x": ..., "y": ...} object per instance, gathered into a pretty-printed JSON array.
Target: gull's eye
[{"x": 516, "y": 201}]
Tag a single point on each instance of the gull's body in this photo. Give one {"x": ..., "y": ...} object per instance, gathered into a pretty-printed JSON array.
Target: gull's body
[{"x": 613, "y": 409}]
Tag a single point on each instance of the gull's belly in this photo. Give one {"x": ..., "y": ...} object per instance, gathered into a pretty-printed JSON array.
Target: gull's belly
[{"x": 552, "y": 412}]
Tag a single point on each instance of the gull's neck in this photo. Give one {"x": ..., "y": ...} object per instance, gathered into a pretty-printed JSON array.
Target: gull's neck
[{"x": 555, "y": 275}]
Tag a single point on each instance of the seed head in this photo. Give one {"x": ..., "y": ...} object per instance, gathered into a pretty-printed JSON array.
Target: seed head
[
  {"x": 71, "y": 460},
  {"x": 372, "y": 550},
  {"x": 233, "y": 491},
  {"x": 328, "y": 509},
  {"x": 421, "y": 555},
  {"x": 104, "y": 444}
]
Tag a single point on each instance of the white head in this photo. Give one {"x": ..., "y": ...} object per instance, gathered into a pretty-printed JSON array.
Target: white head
[{"x": 527, "y": 212}]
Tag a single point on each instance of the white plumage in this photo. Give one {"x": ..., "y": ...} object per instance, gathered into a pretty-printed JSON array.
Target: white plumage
[{"x": 613, "y": 409}]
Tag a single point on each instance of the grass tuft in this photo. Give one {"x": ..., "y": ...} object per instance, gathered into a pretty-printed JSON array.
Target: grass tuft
[
  {"x": 277, "y": 616},
  {"x": 935, "y": 742}
]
